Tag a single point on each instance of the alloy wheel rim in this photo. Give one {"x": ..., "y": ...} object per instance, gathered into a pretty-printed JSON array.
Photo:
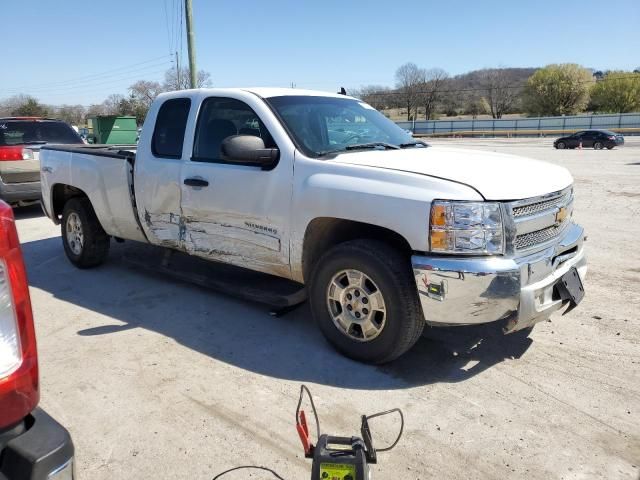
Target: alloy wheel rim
[
  {"x": 356, "y": 305},
  {"x": 75, "y": 236}
]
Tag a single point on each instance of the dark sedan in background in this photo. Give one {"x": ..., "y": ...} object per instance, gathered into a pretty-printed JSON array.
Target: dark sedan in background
[
  {"x": 597, "y": 139},
  {"x": 20, "y": 141}
]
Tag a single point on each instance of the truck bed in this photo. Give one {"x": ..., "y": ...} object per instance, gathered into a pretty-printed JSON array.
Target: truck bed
[{"x": 105, "y": 174}]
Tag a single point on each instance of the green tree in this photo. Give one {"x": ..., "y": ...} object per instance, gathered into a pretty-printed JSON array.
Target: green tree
[
  {"x": 559, "y": 89},
  {"x": 617, "y": 92},
  {"x": 30, "y": 107}
]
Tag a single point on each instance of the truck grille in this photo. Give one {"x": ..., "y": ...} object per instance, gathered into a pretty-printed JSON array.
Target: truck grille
[
  {"x": 533, "y": 208},
  {"x": 531, "y": 239},
  {"x": 538, "y": 221}
]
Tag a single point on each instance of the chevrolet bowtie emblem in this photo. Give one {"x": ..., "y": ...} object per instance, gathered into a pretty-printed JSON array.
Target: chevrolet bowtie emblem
[{"x": 561, "y": 215}]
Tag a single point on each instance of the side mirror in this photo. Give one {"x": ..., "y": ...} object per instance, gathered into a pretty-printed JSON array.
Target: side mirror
[{"x": 248, "y": 149}]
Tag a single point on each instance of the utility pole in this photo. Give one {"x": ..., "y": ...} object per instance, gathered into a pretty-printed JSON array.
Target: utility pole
[{"x": 191, "y": 44}]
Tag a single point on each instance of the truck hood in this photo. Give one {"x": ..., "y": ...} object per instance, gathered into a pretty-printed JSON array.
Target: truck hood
[{"x": 496, "y": 176}]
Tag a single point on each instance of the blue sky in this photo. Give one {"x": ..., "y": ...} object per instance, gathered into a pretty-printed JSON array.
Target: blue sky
[{"x": 68, "y": 51}]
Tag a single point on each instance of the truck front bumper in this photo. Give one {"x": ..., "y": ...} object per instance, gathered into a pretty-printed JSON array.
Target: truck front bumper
[
  {"x": 474, "y": 290},
  {"x": 40, "y": 450}
]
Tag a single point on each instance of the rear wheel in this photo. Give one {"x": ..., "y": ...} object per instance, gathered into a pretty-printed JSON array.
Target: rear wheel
[
  {"x": 363, "y": 297},
  {"x": 561, "y": 145},
  {"x": 85, "y": 242},
  {"x": 597, "y": 146}
]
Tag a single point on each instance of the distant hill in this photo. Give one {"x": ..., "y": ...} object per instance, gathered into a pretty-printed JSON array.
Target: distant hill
[{"x": 473, "y": 80}]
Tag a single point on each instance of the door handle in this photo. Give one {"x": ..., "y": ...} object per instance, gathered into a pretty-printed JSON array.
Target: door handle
[{"x": 196, "y": 182}]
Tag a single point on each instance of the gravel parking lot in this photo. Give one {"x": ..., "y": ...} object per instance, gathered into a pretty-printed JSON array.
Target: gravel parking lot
[{"x": 160, "y": 379}]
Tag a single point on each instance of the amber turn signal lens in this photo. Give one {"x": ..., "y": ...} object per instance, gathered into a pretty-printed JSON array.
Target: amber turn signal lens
[
  {"x": 438, "y": 215},
  {"x": 439, "y": 240}
]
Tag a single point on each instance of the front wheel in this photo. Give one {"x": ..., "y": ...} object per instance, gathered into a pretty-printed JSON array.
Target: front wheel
[
  {"x": 364, "y": 299},
  {"x": 85, "y": 242},
  {"x": 597, "y": 146},
  {"x": 560, "y": 145},
  {"x": 609, "y": 147}
]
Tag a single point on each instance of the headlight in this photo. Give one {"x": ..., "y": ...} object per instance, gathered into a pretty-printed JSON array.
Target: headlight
[{"x": 466, "y": 227}]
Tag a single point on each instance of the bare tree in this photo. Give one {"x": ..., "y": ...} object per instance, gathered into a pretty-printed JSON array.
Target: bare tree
[
  {"x": 408, "y": 80},
  {"x": 180, "y": 79},
  {"x": 145, "y": 91},
  {"x": 377, "y": 96},
  {"x": 113, "y": 104},
  {"x": 9, "y": 105},
  {"x": 73, "y": 114},
  {"x": 435, "y": 79},
  {"x": 95, "y": 109},
  {"x": 500, "y": 94}
]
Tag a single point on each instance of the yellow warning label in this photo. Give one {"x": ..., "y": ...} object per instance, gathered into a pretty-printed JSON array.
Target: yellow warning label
[{"x": 335, "y": 471}]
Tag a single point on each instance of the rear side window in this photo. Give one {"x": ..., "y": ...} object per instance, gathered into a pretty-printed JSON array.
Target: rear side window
[
  {"x": 168, "y": 134},
  {"x": 18, "y": 132}
]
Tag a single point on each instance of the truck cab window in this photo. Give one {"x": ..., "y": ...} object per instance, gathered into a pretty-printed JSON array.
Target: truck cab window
[
  {"x": 221, "y": 118},
  {"x": 168, "y": 135}
]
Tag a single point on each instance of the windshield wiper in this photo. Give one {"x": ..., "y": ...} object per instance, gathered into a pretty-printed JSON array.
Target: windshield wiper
[
  {"x": 34, "y": 142},
  {"x": 359, "y": 146},
  {"x": 413, "y": 144}
]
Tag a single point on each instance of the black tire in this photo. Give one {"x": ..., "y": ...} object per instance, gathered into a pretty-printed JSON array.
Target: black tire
[
  {"x": 597, "y": 146},
  {"x": 609, "y": 147},
  {"x": 94, "y": 248},
  {"x": 391, "y": 272},
  {"x": 560, "y": 145}
]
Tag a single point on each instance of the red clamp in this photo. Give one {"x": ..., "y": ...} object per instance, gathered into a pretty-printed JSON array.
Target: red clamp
[{"x": 303, "y": 432}]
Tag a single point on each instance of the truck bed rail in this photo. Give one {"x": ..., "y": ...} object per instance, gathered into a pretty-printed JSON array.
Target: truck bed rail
[{"x": 114, "y": 151}]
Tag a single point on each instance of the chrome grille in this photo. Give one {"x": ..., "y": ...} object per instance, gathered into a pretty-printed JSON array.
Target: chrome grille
[
  {"x": 538, "y": 237},
  {"x": 535, "y": 222},
  {"x": 537, "y": 207}
]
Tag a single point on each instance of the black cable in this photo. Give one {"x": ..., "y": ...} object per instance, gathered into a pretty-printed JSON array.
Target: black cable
[
  {"x": 380, "y": 414},
  {"x": 303, "y": 388},
  {"x": 246, "y": 467}
]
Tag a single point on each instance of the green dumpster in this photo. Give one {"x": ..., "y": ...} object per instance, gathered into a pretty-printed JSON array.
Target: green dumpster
[{"x": 111, "y": 130}]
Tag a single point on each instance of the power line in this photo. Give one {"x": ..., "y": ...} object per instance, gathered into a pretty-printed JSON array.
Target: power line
[
  {"x": 99, "y": 86},
  {"x": 166, "y": 17},
  {"x": 178, "y": 23},
  {"x": 89, "y": 83},
  {"x": 89, "y": 78}
]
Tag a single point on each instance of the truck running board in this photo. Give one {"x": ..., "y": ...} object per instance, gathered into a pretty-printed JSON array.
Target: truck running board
[{"x": 280, "y": 294}]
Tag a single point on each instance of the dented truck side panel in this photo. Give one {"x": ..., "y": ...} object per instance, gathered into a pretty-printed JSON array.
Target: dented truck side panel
[
  {"x": 157, "y": 189},
  {"x": 243, "y": 216}
]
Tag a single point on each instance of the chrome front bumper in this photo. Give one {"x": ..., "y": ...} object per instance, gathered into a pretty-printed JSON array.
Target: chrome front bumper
[{"x": 474, "y": 290}]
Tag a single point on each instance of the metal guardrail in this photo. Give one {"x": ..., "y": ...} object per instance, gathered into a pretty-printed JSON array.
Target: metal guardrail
[{"x": 532, "y": 126}]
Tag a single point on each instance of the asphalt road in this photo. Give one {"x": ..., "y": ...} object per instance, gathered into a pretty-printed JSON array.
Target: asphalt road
[{"x": 161, "y": 379}]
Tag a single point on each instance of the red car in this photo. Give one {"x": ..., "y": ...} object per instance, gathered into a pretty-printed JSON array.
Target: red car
[{"x": 33, "y": 446}]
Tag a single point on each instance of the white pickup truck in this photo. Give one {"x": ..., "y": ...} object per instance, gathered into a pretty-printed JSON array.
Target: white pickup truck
[{"x": 387, "y": 234}]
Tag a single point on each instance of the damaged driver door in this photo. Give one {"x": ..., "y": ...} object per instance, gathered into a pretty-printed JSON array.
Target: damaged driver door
[{"x": 233, "y": 212}]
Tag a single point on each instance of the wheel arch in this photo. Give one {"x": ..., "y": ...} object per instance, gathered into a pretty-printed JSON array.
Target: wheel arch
[
  {"x": 323, "y": 233},
  {"x": 60, "y": 195}
]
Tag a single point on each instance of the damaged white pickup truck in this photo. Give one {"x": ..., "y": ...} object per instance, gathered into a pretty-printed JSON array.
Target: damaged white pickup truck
[{"x": 386, "y": 233}]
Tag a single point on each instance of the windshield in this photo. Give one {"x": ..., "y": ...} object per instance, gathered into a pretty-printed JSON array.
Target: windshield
[
  {"x": 21, "y": 132},
  {"x": 327, "y": 125}
]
